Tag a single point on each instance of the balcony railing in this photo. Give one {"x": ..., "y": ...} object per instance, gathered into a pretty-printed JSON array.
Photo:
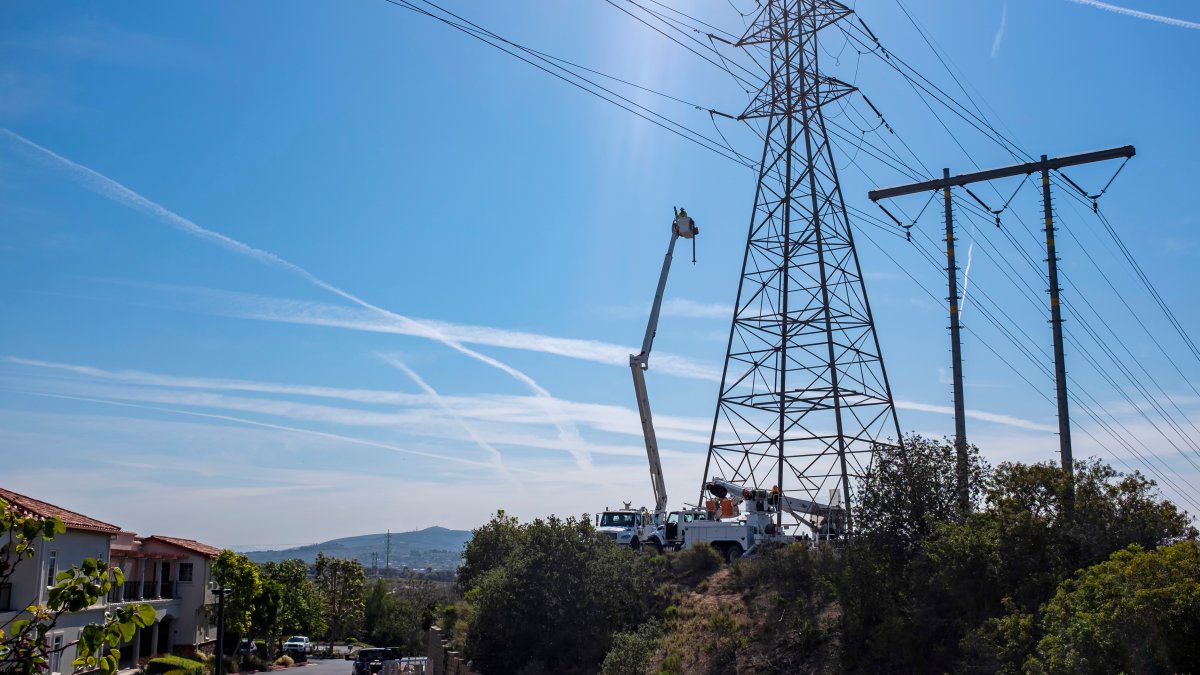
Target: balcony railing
[{"x": 133, "y": 591}]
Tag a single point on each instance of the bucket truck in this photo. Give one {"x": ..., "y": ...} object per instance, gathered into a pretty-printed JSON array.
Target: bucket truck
[
  {"x": 737, "y": 519},
  {"x": 637, "y": 528}
]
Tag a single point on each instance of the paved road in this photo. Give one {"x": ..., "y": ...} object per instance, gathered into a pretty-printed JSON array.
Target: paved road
[{"x": 324, "y": 667}]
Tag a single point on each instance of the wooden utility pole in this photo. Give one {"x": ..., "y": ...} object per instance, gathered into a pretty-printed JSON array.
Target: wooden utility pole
[{"x": 1044, "y": 166}]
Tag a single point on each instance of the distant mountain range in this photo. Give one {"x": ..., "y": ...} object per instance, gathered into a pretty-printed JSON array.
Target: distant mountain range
[{"x": 435, "y": 547}]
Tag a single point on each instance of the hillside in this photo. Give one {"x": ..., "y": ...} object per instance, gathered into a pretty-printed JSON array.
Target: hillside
[{"x": 435, "y": 547}]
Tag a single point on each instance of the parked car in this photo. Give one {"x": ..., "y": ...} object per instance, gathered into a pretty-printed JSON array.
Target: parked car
[
  {"x": 298, "y": 643},
  {"x": 370, "y": 660}
]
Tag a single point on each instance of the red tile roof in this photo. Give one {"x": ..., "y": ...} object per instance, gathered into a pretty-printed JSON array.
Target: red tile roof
[
  {"x": 189, "y": 544},
  {"x": 73, "y": 521}
]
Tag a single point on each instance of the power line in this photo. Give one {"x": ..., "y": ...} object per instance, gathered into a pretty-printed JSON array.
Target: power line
[{"x": 622, "y": 102}]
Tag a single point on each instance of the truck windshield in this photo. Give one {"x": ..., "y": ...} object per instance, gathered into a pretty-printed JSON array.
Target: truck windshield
[{"x": 616, "y": 520}]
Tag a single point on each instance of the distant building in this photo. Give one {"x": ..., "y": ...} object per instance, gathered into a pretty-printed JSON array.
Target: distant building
[{"x": 168, "y": 573}]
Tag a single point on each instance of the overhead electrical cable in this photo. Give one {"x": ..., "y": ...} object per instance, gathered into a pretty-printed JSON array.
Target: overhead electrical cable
[{"x": 573, "y": 79}]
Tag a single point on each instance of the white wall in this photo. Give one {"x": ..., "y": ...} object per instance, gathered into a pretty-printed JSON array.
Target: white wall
[{"x": 30, "y": 583}]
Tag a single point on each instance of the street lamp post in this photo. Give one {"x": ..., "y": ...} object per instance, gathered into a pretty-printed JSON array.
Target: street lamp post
[{"x": 221, "y": 593}]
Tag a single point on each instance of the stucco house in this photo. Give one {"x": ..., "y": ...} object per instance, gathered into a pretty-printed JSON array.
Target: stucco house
[{"x": 170, "y": 574}]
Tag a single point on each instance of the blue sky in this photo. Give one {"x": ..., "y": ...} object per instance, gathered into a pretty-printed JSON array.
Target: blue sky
[{"x": 264, "y": 264}]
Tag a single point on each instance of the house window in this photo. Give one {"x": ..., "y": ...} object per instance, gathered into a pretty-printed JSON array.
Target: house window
[
  {"x": 185, "y": 572},
  {"x": 5, "y": 596},
  {"x": 52, "y": 568},
  {"x": 56, "y": 649}
]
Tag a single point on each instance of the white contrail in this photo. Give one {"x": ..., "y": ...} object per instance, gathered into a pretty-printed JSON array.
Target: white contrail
[
  {"x": 999, "y": 39},
  {"x": 267, "y": 308},
  {"x": 113, "y": 190},
  {"x": 966, "y": 279},
  {"x": 267, "y": 425},
  {"x": 1170, "y": 21},
  {"x": 497, "y": 458},
  {"x": 998, "y": 418},
  {"x": 572, "y": 443},
  {"x": 510, "y": 409},
  {"x": 287, "y": 311}
]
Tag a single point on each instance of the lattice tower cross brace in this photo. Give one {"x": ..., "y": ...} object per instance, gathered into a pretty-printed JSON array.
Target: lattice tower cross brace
[{"x": 804, "y": 397}]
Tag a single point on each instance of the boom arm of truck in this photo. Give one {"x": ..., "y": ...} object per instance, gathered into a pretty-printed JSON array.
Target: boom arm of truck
[
  {"x": 793, "y": 505},
  {"x": 682, "y": 226}
]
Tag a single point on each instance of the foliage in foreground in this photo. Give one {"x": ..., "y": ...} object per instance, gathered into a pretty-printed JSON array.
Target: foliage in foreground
[
  {"x": 24, "y": 648},
  {"x": 967, "y": 593},
  {"x": 1138, "y": 612}
]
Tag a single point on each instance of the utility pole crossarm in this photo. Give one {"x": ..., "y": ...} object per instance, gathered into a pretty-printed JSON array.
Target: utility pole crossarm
[
  {"x": 1051, "y": 164},
  {"x": 1043, "y": 166}
]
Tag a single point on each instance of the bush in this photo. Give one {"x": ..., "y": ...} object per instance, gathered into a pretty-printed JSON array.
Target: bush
[
  {"x": 176, "y": 665},
  {"x": 786, "y": 570},
  {"x": 632, "y": 651},
  {"x": 285, "y": 661},
  {"x": 255, "y": 663},
  {"x": 698, "y": 561}
]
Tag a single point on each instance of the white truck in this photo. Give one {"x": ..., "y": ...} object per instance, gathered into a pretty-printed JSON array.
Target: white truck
[
  {"x": 742, "y": 519},
  {"x": 640, "y": 527},
  {"x": 652, "y": 530},
  {"x": 723, "y": 523},
  {"x": 623, "y": 525}
]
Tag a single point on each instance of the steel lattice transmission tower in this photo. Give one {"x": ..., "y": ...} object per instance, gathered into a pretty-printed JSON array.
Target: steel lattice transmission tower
[{"x": 804, "y": 395}]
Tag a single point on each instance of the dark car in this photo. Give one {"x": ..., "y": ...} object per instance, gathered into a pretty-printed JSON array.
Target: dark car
[{"x": 370, "y": 660}]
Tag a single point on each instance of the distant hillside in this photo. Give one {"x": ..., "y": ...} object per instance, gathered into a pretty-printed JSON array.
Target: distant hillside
[{"x": 435, "y": 547}]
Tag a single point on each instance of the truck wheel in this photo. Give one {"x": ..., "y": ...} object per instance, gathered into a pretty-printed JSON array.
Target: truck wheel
[
  {"x": 733, "y": 552},
  {"x": 635, "y": 544},
  {"x": 658, "y": 548}
]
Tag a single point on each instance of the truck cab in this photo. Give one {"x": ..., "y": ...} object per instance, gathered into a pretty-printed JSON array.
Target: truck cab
[
  {"x": 622, "y": 526},
  {"x": 677, "y": 524}
]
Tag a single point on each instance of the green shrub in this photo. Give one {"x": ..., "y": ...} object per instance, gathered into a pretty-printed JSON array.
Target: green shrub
[
  {"x": 788, "y": 570},
  {"x": 255, "y": 663},
  {"x": 672, "y": 665},
  {"x": 697, "y": 561},
  {"x": 631, "y": 651},
  {"x": 176, "y": 665}
]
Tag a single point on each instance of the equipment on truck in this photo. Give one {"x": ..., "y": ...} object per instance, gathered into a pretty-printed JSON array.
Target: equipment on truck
[
  {"x": 737, "y": 518},
  {"x": 637, "y": 528}
]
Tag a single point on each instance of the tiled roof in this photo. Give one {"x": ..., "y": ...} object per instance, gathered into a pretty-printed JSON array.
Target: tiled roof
[
  {"x": 73, "y": 521},
  {"x": 189, "y": 544}
]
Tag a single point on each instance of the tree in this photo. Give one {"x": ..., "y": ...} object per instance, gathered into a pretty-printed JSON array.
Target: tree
[
  {"x": 907, "y": 490},
  {"x": 24, "y": 649},
  {"x": 927, "y": 590},
  {"x": 1137, "y": 612},
  {"x": 554, "y": 601},
  {"x": 341, "y": 584},
  {"x": 393, "y": 620},
  {"x": 300, "y": 609},
  {"x": 264, "y": 616},
  {"x": 488, "y": 548},
  {"x": 235, "y": 572}
]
